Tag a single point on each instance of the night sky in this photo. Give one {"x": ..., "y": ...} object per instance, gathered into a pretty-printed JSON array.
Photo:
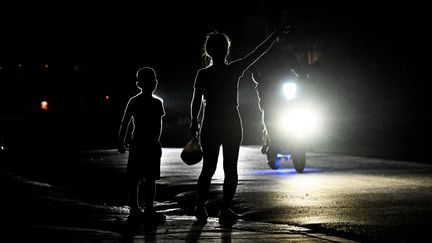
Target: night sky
[{"x": 373, "y": 56}]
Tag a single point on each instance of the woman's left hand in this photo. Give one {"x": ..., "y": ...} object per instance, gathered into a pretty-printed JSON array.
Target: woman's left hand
[{"x": 194, "y": 128}]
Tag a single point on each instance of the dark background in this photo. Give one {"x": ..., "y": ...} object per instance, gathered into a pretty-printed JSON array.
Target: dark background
[{"x": 372, "y": 69}]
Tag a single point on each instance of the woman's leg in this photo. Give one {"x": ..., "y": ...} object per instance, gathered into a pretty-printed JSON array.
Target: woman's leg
[
  {"x": 210, "y": 158},
  {"x": 230, "y": 153}
]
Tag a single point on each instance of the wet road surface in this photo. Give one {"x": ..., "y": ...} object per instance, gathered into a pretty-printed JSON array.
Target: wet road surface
[{"x": 363, "y": 199}]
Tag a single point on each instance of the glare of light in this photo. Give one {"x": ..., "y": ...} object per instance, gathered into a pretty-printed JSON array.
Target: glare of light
[
  {"x": 289, "y": 90},
  {"x": 46, "y": 66},
  {"x": 20, "y": 65},
  {"x": 301, "y": 121},
  {"x": 283, "y": 171},
  {"x": 309, "y": 182},
  {"x": 107, "y": 97},
  {"x": 44, "y": 105}
]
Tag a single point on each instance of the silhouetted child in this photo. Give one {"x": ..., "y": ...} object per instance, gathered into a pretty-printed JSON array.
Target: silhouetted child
[{"x": 145, "y": 111}]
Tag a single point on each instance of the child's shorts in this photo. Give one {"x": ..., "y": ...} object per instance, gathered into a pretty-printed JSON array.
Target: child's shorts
[{"x": 145, "y": 160}]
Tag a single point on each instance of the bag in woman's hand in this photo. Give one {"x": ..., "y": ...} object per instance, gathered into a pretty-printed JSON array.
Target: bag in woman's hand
[{"x": 192, "y": 152}]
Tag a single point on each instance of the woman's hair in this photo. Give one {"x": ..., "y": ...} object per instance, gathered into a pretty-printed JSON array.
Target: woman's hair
[{"x": 216, "y": 45}]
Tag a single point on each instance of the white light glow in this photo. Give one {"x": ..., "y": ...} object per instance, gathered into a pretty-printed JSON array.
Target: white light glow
[
  {"x": 301, "y": 121},
  {"x": 289, "y": 90}
]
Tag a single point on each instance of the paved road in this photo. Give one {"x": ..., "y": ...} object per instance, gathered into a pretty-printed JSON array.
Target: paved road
[
  {"x": 361, "y": 198},
  {"x": 357, "y": 198}
]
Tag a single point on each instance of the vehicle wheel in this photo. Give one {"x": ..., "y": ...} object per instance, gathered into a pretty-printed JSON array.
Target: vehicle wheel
[
  {"x": 272, "y": 160},
  {"x": 299, "y": 161},
  {"x": 274, "y": 164}
]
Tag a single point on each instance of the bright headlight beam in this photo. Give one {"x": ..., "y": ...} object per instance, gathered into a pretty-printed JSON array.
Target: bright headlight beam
[
  {"x": 289, "y": 90},
  {"x": 301, "y": 121}
]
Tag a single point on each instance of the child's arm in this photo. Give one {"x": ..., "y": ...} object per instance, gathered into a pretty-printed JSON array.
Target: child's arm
[{"x": 123, "y": 129}]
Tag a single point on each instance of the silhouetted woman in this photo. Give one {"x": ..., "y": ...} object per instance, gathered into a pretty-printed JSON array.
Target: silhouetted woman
[{"x": 216, "y": 87}]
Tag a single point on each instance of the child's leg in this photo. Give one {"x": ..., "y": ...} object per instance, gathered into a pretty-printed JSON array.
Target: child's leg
[
  {"x": 149, "y": 193},
  {"x": 133, "y": 188}
]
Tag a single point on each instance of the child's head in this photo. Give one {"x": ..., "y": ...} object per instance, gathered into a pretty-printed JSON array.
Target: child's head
[
  {"x": 146, "y": 80},
  {"x": 217, "y": 45}
]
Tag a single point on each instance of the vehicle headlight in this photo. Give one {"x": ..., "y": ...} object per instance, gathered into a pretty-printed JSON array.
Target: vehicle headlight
[
  {"x": 289, "y": 90},
  {"x": 301, "y": 121}
]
